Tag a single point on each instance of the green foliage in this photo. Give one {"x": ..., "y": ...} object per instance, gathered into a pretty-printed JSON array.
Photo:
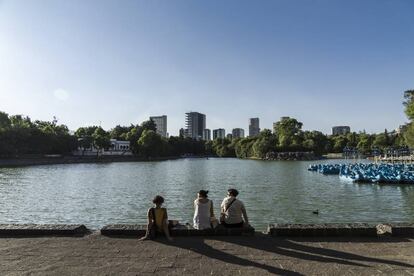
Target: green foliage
[
  {"x": 5, "y": 122},
  {"x": 365, "y": 143},
  {"x": 244, "y": 147},
  {"x": 288, "y": 132},
  {"x": 339, "y": 142},
  {"x": 315, "y": 141},
  {"x": 265, "y": 142},
  {"x": 409, "y": 111},
  {"x": 409, "y": 104},
  {"x": 149, "y": 125},
  {"x": 19, "y": 135},
  {"x": 224, "y": 147},
  {"x": 150, "y": 144},
  {"x": 100, "y": 139},
  {"x": 120, "y": 132},
  {"x": 409, "y": 135}
]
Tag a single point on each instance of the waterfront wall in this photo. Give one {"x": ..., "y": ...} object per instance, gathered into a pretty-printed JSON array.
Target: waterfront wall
[{"x": 275, "y": 230}]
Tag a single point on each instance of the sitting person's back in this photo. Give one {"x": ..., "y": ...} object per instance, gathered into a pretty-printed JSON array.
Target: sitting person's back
[
  {"x": 233, "y": 212},
  {"x": 160, "y": 215},
  {"x": 203, "y": 211},
  {"x": 157, "y": 220}
]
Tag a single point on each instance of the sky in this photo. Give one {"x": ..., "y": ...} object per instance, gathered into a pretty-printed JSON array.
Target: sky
[{"x": 106, "y": 63}]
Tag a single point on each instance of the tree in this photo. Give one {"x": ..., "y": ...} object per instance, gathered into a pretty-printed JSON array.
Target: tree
[
  {"x": 409, "y": 135},
  {"x": 149, "y": 125},
  {"x": 20, "y": 121},
  {"x": 287, "y": 131},
  {"x": 365, "y": 143},
  {"x": 120, "y": 132},
  {"x": 315, "y": 141},
  {"x": 265, "y": 142},
  {"x": 339, "y": 143},
  {"x": 409, "y": 104},
  {"x": 100, "y": 139},
  {"x": 151, "y": 144},
  {"x": 5, "y": 122},
  {"x": 352, "y": 139}
]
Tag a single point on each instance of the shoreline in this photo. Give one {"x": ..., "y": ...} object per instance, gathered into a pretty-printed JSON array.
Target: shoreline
[
  {"x": 69, "y": 159},
  {"x": 35, "y": 161},
  {"x": 182, "y": 230}
]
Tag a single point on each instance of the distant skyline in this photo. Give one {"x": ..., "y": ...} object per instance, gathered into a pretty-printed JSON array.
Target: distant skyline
[{"x": 325, "y": 63}]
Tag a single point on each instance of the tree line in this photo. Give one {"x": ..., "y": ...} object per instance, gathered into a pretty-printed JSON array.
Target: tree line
[{"x": 20, "y": 135}]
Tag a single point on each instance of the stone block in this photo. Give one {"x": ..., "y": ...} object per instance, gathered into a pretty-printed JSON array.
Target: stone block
[
  {"x": 177, "y": 231},
  {"x": 402, "y": 229},
  {"x": 322, "y": 230},
  {"x": 11, "y": 230}
]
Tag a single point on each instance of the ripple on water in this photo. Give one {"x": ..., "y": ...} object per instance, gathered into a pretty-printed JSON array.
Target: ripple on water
[{"x": 284, "y": 192}]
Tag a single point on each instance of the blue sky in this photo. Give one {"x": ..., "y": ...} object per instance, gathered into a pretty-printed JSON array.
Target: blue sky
[{"x": 118, "y": 62}]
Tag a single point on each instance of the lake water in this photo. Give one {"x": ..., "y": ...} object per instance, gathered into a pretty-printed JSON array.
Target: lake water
[{"x": 272, "y": 191}]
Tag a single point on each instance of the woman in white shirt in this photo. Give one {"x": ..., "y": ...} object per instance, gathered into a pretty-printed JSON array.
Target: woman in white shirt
[{"x": 203, "y": 213}]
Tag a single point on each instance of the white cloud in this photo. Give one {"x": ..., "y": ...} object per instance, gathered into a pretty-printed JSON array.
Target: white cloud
[{"x": 61, "y": 94}]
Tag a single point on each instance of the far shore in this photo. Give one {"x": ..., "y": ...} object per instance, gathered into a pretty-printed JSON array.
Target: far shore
[
  {"x": 55, "y": 160},
  {"x": 33, "y": 160}
]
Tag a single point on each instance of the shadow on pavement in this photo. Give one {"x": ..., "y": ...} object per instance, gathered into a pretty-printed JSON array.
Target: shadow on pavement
[
  {"x": 281, "y": 247},
  {"x": 198, "y": 245},
  {"x": 294, "y": 249}
]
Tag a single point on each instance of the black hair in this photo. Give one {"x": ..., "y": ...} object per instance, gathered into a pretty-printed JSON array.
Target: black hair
[
  {"x": 203, "y": 193},
  {"x": 233, "y": 192},
  {"x": 158, "y": 199}
]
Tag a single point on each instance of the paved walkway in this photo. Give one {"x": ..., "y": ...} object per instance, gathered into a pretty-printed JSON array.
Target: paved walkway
[{"x": 259, "y": 255}]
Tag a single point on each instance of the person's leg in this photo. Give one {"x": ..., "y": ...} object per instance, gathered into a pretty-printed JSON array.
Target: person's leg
[
  {"x": 147, "y": 233},
  {"x": 166, "y": 231}
]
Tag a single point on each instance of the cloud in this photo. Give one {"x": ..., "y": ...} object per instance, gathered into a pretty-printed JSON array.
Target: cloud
[{"x": 61, "y": 94}]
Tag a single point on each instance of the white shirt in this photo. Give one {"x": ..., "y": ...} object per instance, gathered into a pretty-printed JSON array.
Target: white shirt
[
  {"x": 233, "y": 214},
  {"x": 202, "y": 214}
]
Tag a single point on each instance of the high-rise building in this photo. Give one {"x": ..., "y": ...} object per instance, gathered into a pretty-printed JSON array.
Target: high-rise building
[
  {"x": 254, "y": 128},
  {"x": 229, "y": 136},
  {"x": 238, "y": 133},
  {"x": 195, "y": 125},
  {"x": 182, "y": 132},
  {"x": 341, "y": 130},
  {"x": 275, "y": 128},
  {"x": 219, "y": 133},
  {"x": 161, "y": 124},
  {"x": 207, "y": 135}
]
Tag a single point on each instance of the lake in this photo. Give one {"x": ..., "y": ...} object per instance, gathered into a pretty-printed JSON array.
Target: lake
[{"x": 272, "y": 191}]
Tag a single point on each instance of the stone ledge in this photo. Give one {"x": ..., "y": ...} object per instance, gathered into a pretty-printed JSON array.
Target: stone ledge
[
  {"x": 402, "y": 229},
  {"x": 179, "y": 231},
  {"x": 13, "y": 230},
  {"x": 331, "y": 229}
]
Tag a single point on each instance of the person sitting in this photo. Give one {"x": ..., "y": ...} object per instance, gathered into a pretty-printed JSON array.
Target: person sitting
[
  {"x": 203, "y": 213},
  {"x": 157, "y": 220},
  {"x": 233, "y": 212}
]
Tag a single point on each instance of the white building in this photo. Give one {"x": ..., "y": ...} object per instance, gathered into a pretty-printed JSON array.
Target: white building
[
  {"x": 116, "y": 148},
  {"x": 238, "y": 133},
  {"x": 161, "y": 124}
]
